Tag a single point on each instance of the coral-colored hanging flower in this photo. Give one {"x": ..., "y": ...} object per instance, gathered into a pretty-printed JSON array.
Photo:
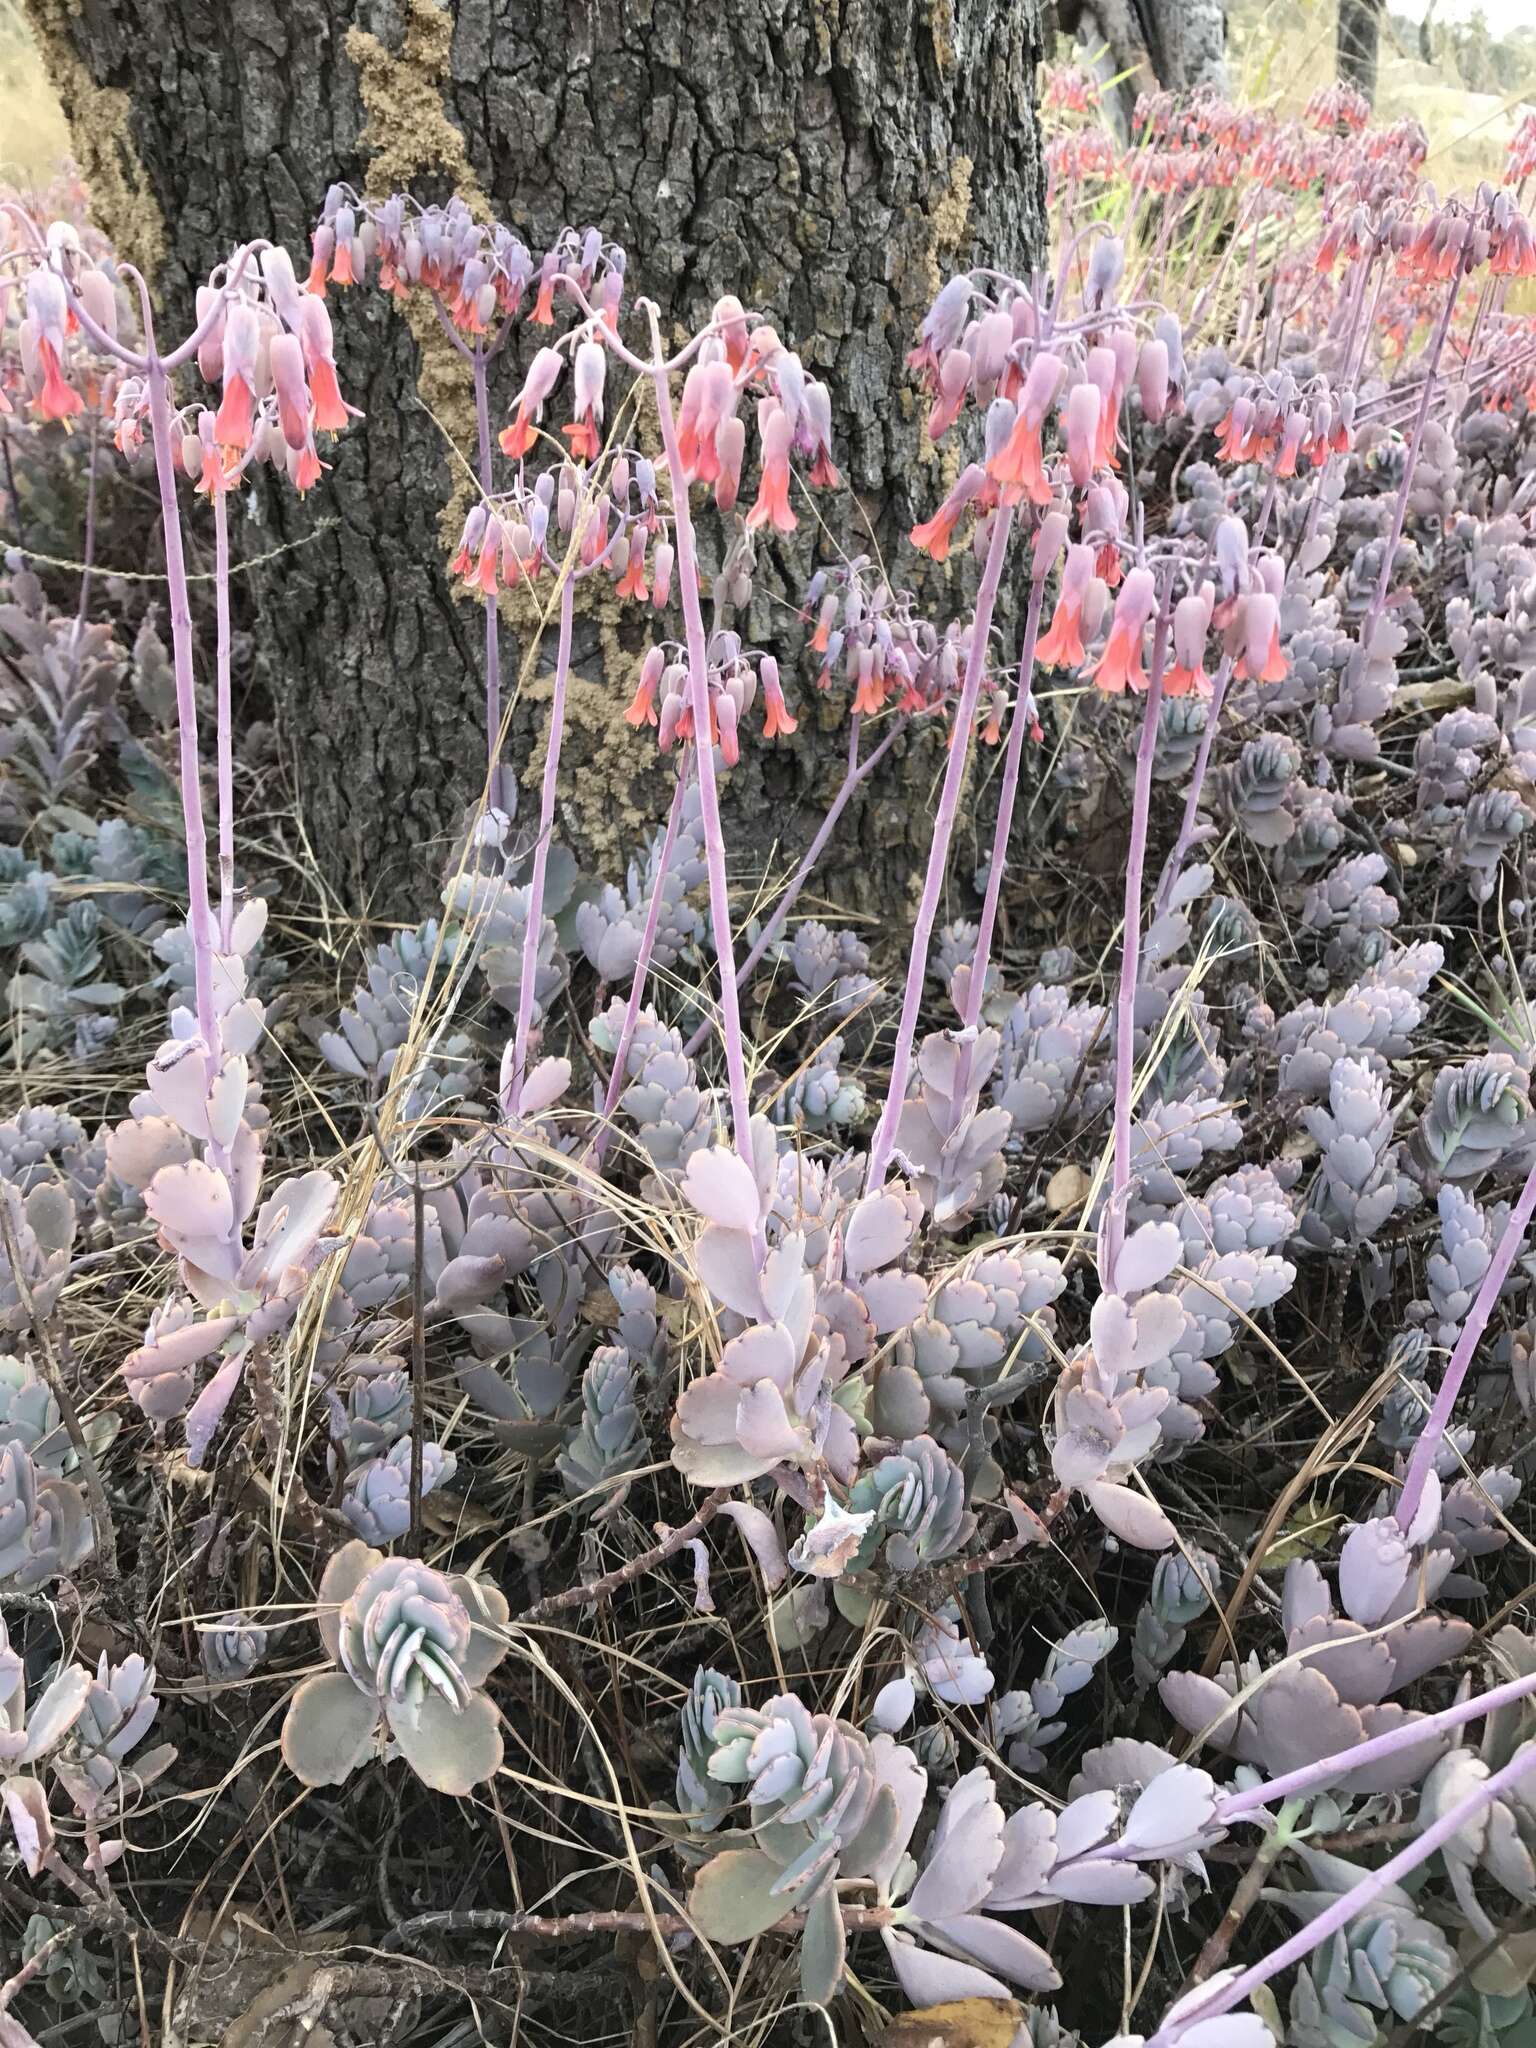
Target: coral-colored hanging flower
[
  {"x": 1062, "y": 645},
  {"x": 774, "y": 437},
  {"x": 1119, "y": 666}
]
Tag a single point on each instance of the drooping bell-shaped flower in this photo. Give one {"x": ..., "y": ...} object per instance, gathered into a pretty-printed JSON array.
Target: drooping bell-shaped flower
[
  {"x": 934, "y": 535},
  {"x": 1191, "y": 624},
  {"x": 1018, "y": 469},
  {"x": 1119, "y": 665},
  {"x": 48, "y": 311},
  {"x": 772, "y": 506},
  {"x": 590, "y": 373},
  {"x": 543, "y": 375},
  {"x": 1062, "y": 645},
  {"x": 331, "y": 410}
]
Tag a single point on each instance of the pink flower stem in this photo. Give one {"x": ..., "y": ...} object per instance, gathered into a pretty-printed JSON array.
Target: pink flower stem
[
  {"x": 200, "y": 919},
  {"x": 938, "y": 852},
  {"x": 1181, "y": 845},
  {"x": 1421, "y": 1462},
  {"x": 225, "y": 719},
  {"x": 1130, "y": 961},
  {"x": 643, "y": 960},
  {"x": 1411, "y": 463},
  {"x": 492, "y": 644},
  {"x": 1236, "y": 1806},
  {"x": 855, "y": 773},
  {"x": 1354, "y": 1901},
  {"x": 1023, "y": 714},
  {"x": 709, "y": 797},
  {"x": 534, "y": 926}
]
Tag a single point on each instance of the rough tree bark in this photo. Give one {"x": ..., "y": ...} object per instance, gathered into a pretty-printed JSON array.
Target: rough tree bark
[
  {"x": 1358, "y": 44},
  {"x": 830, "y": 160}
]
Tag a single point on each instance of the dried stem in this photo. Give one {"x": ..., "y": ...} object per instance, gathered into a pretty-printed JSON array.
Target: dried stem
[{"x": 626, "y": 1574}]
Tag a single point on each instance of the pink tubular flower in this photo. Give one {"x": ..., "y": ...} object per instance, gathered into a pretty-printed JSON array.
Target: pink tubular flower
[
  {"x": 1152, "y": 379},
  {"x": 543, "y": 375},
  {"x": 344, "y": 264},
  {"x": 817, "y": 427},
  {"x": 1062, "y": 646},
  {"x": 772, "y": 505},
  {"x": 543, "y": 314},
  {"x": 954, "y": 381},
  {"x": 1102, "y": 373},
  {"x": 632, "y": 582},
  {"x": 321, "y": 251},
  {"x": 242, "y": 345},
  {"x": 943, "y": 325},
  {"x": 591, "y": 370},
  {"x": 48, "y": 310},
  {"x": 469, "y": 542},
  {"x": 1018, "y": 468},
  {"x": 935, "y": 534},
  {"x": 1254, "y": 635},
  {"x": 1191, "y": 624},
  {"x": 661, "y": 574},
  {"x": 331, "y": 411},
  {"x": 730, "y": 454},
  {"x": 776, "y": 716},
  {"x": 642, "y": 706},
  {"x": 709, "y": 397},
  {"x": 1120, "y": 663},
  {"x": 1080, "y": 431},
  {"x": 730, "y": 321},
  {"x": 286, "y": 359}
]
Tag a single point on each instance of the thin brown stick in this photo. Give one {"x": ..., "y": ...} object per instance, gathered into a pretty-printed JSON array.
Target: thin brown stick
[{"x": 625, "y": 1574}]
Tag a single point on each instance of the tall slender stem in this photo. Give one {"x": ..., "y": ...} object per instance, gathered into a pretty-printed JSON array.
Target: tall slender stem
[
  {"x": 200, "y": 920},
  {"x": 709, "y": 799},
  {"x": 1023, "y": 710},
  {"x": 531, "y": 931},
  {"x": 225, "y": 716},
  {"x": 1130, "y": 963},
  {"x": 938, "y": 852},
  {"x": 1355, "y": 1900},
  {"x": 1175, "y": 859},
  {"x": 856, "y": 772},
  {"x": 492, "y": 640},
  {"x": 1421, "y": 1462},
  {"x": 643, "y": 958},
  {"x": 1410, "y": 464}
]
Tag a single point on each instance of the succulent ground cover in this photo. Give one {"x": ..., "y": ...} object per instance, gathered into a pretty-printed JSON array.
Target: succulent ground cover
[{"x": 636, "y": 1454}]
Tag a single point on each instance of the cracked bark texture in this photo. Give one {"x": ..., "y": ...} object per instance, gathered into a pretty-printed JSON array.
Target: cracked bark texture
[{"x": 832, "y": 161}]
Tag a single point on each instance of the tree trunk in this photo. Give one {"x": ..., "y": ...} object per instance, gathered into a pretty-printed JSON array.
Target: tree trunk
[
  {"x": 1136, "y": 46},
  {"x": 831, "y": 161},
  {"x": 1359, "y": 40}
]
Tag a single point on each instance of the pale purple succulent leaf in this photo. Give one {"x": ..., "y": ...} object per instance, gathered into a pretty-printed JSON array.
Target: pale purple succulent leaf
[
  {"x": 723, "y": 1260},
  {"x": 722, "y": 1187},
  {"x": 763, "y": 1539},
  {"x": 449, "y": 1749},
  {"x": 732, "y": 1898},
  {"x": 329, "y": 1729},
  {"x": 1130, "y": 1516}
]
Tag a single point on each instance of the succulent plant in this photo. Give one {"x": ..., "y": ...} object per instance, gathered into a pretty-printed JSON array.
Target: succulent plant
[
  {"x": 414, "y": 1649},
  {"x": 42, "y": 1228},
  {"x": 233, "y": 1647},
  {"x": 1183, "y": 1587},
  {"x": 1476, "y": 1114},
  {"x": 608, "y": 1442},
  {"x": 45, "y": 1527},
  {"x": 701, "y": 1798},
  {"x": 377, "y": 1498},
  {"x": 119, "y": 1708},
  {"x": 916, "y": 1498}
]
